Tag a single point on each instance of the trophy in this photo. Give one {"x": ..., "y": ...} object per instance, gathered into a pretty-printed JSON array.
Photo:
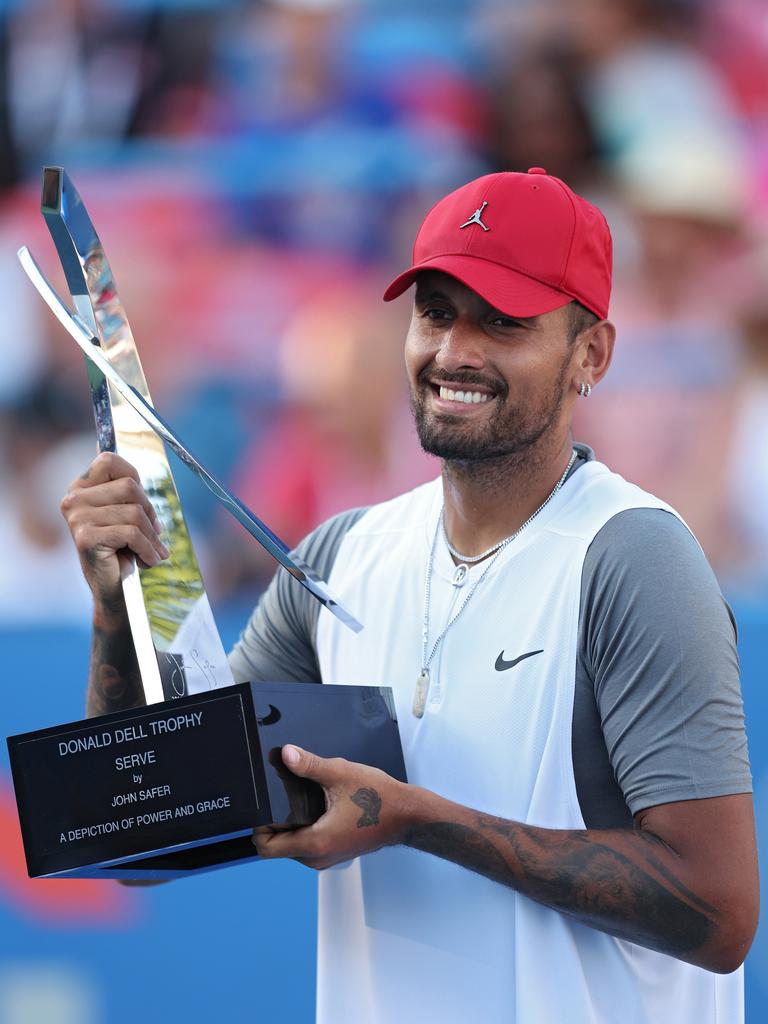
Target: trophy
[{"x": 176, "y": 786}]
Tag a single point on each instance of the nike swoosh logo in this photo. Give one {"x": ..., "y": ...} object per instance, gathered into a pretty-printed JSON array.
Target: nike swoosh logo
[{"x": 502, "y": 665}]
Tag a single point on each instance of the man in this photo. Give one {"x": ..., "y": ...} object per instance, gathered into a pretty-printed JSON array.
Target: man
[{"x": 576, "y": 841}]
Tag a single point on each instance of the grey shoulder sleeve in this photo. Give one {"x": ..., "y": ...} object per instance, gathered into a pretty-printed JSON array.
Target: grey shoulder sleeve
[
  {"x": 278, "y": 643},
  {"x": 658, "y": 641}
]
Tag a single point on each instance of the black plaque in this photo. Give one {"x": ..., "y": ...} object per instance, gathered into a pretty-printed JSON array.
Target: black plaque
[{"x": 176, "y": 787}]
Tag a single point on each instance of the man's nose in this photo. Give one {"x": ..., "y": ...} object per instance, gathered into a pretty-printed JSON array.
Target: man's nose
[{"x": 462, "y": 347}]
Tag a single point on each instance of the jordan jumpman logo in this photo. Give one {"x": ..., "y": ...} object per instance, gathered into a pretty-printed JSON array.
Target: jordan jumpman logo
[{"x": 475, "y": 218}]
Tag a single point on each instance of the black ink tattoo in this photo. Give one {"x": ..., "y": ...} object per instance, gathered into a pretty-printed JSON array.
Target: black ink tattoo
[
  {"x": 114, "y": 683},
  {"x": 462, "y": 845},
  {"x": 369, "y": 801},
  {"x": 613, "y": 881}
]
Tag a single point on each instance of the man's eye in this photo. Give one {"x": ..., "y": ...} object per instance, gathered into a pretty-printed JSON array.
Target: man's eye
[
  {"x": 436, "y": 314},
  {"x": 504, "y": 321}
]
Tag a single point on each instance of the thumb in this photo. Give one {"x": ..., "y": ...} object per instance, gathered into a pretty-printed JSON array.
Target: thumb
[{"x": 307, "y": 765}]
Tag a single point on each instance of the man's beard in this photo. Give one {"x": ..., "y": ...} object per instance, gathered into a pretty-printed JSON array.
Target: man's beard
[{"x": 509, "y": 430}]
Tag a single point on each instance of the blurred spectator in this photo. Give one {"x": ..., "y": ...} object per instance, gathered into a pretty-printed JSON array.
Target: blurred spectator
[
  {"x": 41, "y": 452},
  {"x": 646, "y": 79},
  {"x": 740, "y": 466},
  {"x": 83, "y": 69},
  {"x": 23, "y": 342},
  {"x": 539, "y": 118},
  {"x": 340, "y": 114},
  {"x": 657, "y": 416},
  {"x": 671, "y": 139},
  {"x": 736, "y": 41}
]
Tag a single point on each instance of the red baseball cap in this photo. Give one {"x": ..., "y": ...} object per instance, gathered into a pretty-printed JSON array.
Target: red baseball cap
[{"x": 525, "y": 243}]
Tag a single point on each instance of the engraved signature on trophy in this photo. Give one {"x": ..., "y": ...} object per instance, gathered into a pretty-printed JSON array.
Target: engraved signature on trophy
[
  {"x": 208, "y": 670},
  {"x": 177, "y": 679}
]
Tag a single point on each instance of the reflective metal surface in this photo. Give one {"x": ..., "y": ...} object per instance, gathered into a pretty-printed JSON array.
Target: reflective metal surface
[
  {"x": 300, "y": 571},
  {"x": 177, "y": 644}
]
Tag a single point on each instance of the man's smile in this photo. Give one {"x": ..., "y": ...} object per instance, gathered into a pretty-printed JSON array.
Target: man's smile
[{"x": 458, "y": 397}]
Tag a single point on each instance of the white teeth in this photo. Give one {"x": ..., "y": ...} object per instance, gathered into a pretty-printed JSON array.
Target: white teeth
[{"x": 467, "y": 397}]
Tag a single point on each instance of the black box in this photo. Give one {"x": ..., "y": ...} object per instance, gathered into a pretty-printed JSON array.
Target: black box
[{"x": 174, "y": 788}]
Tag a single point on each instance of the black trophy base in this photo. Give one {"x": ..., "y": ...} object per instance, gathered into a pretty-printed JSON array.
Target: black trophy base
[{"x": 175, "y": 788}]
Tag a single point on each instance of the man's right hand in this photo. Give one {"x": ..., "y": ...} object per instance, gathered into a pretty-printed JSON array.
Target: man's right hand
[{"x": 111, "y": 519}]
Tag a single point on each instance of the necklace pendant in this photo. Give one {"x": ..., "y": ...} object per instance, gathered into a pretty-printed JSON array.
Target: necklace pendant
[
  {"x": 420, "y": 694},
  {"x": 460, "y": 575}
]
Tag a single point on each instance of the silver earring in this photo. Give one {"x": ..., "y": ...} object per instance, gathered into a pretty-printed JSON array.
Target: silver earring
[{"x": 585, "y": 390}]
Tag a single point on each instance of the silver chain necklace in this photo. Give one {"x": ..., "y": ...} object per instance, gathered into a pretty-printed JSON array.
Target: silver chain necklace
[
  {"x": 422, "y": 682},
  {"x": 469, "y": 559}
]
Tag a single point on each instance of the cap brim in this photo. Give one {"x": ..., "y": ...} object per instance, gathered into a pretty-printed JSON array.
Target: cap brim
[{"x": 507, "y": 290}]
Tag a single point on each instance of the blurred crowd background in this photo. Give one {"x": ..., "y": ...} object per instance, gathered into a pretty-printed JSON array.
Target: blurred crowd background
[{"x": 257, "y": 170}]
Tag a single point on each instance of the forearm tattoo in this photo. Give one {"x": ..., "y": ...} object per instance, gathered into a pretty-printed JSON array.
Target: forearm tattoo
[
  {"x": 114, "y": 682},
  {"x": 615, "y": 881}
]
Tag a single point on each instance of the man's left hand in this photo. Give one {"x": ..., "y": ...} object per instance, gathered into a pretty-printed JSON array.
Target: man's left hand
[{"x": 365, "y": 810}]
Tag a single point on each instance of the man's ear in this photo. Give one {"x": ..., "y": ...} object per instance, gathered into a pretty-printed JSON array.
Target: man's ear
[{"x": 595, "y": 351}]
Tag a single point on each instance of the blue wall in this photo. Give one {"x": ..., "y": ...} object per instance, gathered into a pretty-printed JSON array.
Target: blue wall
[{"x": 229, "y": 945}]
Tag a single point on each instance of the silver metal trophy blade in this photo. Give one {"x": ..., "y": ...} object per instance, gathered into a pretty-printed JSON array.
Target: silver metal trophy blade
[
  {"x": 89, "y": 343},
  {"x": 174, "y": 633}
]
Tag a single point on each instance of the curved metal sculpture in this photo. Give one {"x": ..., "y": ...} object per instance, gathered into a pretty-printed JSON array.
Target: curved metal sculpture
[{"x": 178, "y": 647}]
